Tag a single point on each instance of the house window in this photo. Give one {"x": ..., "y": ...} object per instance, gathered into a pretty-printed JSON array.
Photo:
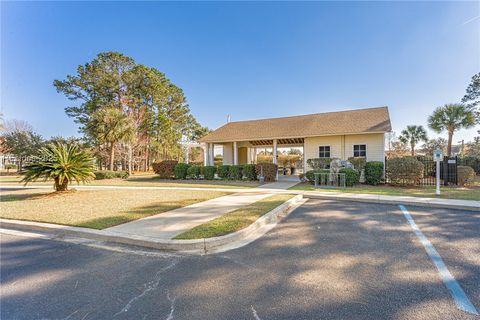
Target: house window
[
  {"x": 324, "y": 152},
  {"x": 359, "y": 150}
]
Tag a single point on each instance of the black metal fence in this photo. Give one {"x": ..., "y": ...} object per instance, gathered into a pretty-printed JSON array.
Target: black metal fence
[
  {"x": 471, "y": 162},
  {"x": 448, "y": 171}
]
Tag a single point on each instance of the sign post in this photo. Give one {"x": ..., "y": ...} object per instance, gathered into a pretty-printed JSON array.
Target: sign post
[{"x": 437, "y": 156}]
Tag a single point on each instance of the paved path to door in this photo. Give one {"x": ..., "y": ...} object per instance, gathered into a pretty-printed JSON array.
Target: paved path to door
[{"x": 169, "y": 224}]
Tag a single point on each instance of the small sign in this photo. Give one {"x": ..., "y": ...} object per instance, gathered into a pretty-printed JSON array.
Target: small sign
[
  {"x": 437, "y": 155},
  {"x": 452, "y": 161}
]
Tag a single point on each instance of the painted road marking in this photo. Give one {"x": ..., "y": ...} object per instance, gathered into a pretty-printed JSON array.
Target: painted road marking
[{"x": 459, "y": 296}]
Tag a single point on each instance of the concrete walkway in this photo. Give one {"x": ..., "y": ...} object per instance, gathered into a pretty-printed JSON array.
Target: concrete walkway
[{"x": 169, "y": 224}]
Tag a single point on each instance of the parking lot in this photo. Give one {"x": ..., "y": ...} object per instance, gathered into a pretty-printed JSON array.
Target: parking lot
[{"x": 327, "y": 260}]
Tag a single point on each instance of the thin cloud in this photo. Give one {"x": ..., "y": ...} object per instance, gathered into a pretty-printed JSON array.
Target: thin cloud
[{"x": 471, "y": 20}]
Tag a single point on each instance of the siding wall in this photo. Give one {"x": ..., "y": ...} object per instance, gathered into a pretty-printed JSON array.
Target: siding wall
[
  {"x": 342, "y": 146},
  {"x": 228, "y": 153}
]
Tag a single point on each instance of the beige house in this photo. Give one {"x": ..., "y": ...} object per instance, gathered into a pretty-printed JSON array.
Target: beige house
[{"x": 343, "y": 134}]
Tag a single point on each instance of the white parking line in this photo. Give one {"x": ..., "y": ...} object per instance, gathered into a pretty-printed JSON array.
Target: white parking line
[{"x": 459, "y": 296}]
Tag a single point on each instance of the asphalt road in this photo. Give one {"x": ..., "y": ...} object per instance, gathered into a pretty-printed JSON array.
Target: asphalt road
[{"x": 327, "y": 260}]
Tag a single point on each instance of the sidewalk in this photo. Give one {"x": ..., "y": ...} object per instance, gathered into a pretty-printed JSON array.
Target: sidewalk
[
  {"x": 169, "y": 224},
  {"x": 470, "y": 205},
  {"x": 280, "y": 186}
]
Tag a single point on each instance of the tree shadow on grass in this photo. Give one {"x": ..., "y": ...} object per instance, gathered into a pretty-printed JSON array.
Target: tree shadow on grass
[{"x": 20, "y": 194}]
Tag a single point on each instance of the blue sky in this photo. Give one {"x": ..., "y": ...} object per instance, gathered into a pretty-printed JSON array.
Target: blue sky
[{"x": 251, "y": 59}]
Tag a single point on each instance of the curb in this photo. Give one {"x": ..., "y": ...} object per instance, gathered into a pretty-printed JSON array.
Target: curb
[
  {"x": 197, "y": 246},
  {"x": 396, "y": 200}
]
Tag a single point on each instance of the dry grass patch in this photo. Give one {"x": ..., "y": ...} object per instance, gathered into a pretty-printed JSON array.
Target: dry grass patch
[{"x": 96, "y": 209}]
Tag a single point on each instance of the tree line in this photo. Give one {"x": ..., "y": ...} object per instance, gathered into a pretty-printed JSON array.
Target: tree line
[
  {"x": 449, "y": 119},
  {"x": 129, "y": 114}
]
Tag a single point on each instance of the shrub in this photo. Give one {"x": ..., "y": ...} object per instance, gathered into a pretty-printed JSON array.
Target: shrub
[
  {"x": 470, "y": 161},
  {"x": 223, "y": 171},
  {"x": 249, "y": 172},
  {"x": 63, "y": 163},
  {"x": 319, "y": 163},
  {"x": 358, "y": 162},
  {"x": 165, "y": 168},
  {"x": 310, "y": 174},
  {"x": 464, "y": 174},
  {"x": 10, "y": 166},
  {"x": 268, "y": 170},
  {"x": 374, "y": 172},
  {"x": 180, "y": 171},
  {"x": 352, "y": 176},
  {"x": 405, "y": 170},
  {"x": 209, "y": 172},
  {"x": 107, "y": 174},
  {"x": 194, "y": 171},
  {"x": 236, "y": 172}
]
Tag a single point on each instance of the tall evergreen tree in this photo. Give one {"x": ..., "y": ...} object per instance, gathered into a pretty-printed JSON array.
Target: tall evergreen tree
[{"x": 155, "y": 107}]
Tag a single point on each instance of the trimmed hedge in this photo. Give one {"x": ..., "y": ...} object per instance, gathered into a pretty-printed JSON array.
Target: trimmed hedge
[
  {"x": 464, "y": 174},
  {"x": 236, "y": 172},
  {"x": 268, "y": 170},
  {"x": 249, "y": 172},
  {"x": 180, "y": 170},
  {"x": 352, "y": 176},
  {"x": 107, "y": 174},
  {"x": 310, "y": 174},
  {"x": 404, "y": 171},
  {"x": 319, "y": 163},
  {"x": 194, "y": 171},
  {"x": 223, "y": 171},
  {"x": 358, "y": 162},
  {"x": 208, "y": 172},
  {"x": 374, "y": 172},
  {"x": 165, "y": 169}
]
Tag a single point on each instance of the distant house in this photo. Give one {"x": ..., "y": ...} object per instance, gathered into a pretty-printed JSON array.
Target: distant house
[{"x": 343, "y": 134}]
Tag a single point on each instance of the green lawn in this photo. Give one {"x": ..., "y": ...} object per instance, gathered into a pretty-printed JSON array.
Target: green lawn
[
  {"x": 235, "y": 220},
  {"x": 466, "y": 193},
  {"x": 97, "y": 209},
  {"x": 150, "y": 180}
]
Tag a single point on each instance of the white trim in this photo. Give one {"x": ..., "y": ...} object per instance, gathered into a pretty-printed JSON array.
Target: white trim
[{"x": 294, "y": 137}]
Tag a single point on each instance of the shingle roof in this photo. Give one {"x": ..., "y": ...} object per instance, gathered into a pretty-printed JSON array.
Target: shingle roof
[{"x": 320, "y": 124}]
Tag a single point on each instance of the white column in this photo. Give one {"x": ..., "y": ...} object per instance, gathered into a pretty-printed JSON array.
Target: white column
[
  {"x": 275, "y": 155},
  {"x": 235, "y": 153},
  {"x": 304, "y": 158},
  {"x": 254, "y": 157},
  {"x": 275, "y": 151},
  {"x": 205, "y": 154},
  {"x": 211, "y": 148},
  {"x": 187, "y": 153}
]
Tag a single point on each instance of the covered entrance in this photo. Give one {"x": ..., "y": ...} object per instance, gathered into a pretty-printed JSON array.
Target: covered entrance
[{"x": 287, "y": 153}]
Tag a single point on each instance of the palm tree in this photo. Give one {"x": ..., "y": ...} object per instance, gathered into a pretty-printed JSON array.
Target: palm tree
[
  {"x": 413, "y": 135},
  {"x": 61, "y": 162},
  {"x": 451, "y": 117},
  {"x": 111, "y": 126}
]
